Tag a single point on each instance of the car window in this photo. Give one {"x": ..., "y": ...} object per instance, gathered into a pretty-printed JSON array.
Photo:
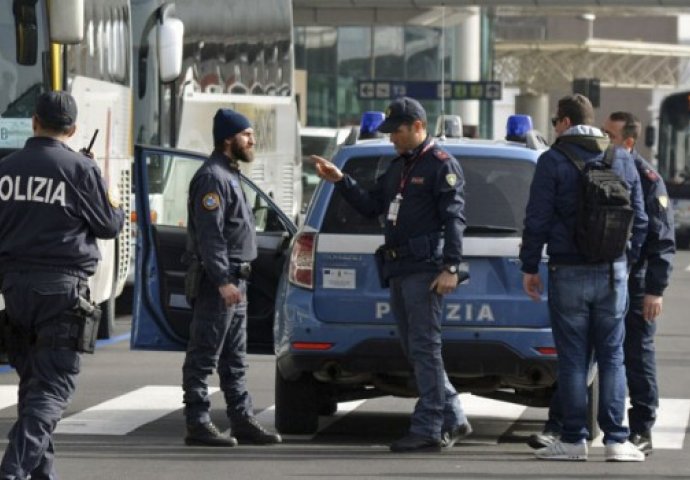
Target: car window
[{"x": 496, "y": 194}]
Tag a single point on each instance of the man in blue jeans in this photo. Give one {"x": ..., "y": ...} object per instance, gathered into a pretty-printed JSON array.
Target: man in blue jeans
[
  {"x": 587, "y": 300},
  {"x": 649, "y": 277}
]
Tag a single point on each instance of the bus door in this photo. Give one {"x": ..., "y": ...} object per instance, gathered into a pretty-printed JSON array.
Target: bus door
[{"x": 161, "y": 314}]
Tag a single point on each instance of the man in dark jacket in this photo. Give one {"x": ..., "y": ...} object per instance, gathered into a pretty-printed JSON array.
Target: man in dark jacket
[
  {"x": 421, "y": 196},
  {"x": 222, "y": 237},
  {"x": 53, "y": 207},
  {"x": 587, "y": 301}
]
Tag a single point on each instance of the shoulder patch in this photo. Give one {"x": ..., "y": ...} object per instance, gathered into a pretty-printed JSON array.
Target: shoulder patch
[
  {"x": 441, "y": 154},
  {"x": 211, "y": 201},
  {"x": 114, "y": 197},
  {"x": 651, "y": 175},
  {"x": 451, "y": 179},
  {"x": 663, "y": 201}
]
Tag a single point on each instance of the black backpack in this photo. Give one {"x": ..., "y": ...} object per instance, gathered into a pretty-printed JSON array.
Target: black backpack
[{"x": 604, "y": 208}]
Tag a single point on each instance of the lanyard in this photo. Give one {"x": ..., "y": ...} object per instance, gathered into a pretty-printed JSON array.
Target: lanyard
[{"x": 405, "y": 173}]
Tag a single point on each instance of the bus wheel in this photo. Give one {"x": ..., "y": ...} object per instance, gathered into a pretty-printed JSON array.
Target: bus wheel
[{"x": 106, "y": 328}]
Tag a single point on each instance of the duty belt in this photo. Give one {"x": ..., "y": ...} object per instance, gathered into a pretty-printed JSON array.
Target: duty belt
[{"x": 397, "y": 253}]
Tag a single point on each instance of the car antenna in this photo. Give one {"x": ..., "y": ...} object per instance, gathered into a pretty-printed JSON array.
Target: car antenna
[{"x": 442, "y": 135}]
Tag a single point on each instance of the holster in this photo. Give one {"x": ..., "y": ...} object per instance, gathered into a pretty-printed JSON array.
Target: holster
[
  {"x": 192, "y": 282},
  {"x": 82, "y": 324},
  {"x": 380, "y": 259}
]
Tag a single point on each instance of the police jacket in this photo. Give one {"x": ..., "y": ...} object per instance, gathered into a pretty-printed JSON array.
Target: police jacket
[
  {"x": 220, "y": 221},
  {"x": 551, "y": 210},
  {"x": 53, "y": 206},
  {"x": 430, "y": 221},
  {"x": 652, "y": 271}
]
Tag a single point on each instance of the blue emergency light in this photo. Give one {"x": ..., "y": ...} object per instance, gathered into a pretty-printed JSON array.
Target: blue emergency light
[
  {"x": 517, "y": 127},
  {"x": 368, "y": 126}
]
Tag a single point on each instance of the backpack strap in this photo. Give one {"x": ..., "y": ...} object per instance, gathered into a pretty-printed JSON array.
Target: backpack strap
[
  {"x": 570, "y": 154},
  {"x": 609, "y": 155}
]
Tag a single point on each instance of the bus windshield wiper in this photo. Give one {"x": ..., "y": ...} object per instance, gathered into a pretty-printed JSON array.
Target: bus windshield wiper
[{"x": 489, "y": 229}]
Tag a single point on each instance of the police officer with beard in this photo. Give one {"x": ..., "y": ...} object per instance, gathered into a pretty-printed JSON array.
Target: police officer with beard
[
  {"x": 222, "y": 240},
  {"x": 421, "y": 196},
  {"x": 53, "y": 207}
]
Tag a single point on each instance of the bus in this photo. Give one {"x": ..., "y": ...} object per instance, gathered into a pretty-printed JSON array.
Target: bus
[
  {"x": 237, "y": 55},
  {"x": 673, "y": 157},
  {"x": 84, "y": 48}
]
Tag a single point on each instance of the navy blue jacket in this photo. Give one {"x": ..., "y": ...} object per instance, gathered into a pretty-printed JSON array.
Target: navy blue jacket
[
  {"x": 53, "y": 206},
  {"x": 220, "y": 221},
  {"x": 652, "y": 271},
  {"x": 552, "y": 206},
  {"x": 432, "y": 208}
]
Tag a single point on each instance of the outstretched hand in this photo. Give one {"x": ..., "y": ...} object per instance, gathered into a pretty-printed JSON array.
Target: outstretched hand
[{"x": 326, "y": 170}]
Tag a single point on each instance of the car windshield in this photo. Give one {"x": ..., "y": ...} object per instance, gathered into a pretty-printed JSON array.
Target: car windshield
[{"x": 496, "y": 193}]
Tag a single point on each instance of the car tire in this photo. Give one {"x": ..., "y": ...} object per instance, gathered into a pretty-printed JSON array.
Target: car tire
[
  {"x": 593, "y": 408},
  {"x": 106, "y": 327},
  {"x": 297, "y": 404}
]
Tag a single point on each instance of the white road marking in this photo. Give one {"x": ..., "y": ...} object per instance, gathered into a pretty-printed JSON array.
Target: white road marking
[
  {"x": 671, "y": 422},
  {"x": 126, "y": 413},
  {"x": 8, "y": 396}
]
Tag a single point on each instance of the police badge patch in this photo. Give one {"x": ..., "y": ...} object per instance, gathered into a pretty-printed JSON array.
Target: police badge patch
[
  {"x": 114, "y": 197},
  {"x": 663, "y": 201},
  {"x": 211, "y": 201},
  {"x": 451, "y": 178}
]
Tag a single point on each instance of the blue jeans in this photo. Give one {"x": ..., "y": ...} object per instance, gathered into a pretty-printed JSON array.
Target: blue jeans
[
  {"x": 217, "y": 339},
  {"x": 417, "y": 313},
  {"x": 587, "y": 307},
  {"x": 640, "y": 362}
]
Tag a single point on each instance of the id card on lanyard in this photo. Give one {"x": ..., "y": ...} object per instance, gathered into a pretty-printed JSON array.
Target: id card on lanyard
[{"x": 394, "y": 206}]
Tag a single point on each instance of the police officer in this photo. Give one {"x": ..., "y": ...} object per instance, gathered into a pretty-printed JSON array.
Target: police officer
[
  {"x": 53, "y": 206},
  {"x": 648, "y": 279},
  {"x": 421, "y": 198},
  {"x": 221, "y": 235}
]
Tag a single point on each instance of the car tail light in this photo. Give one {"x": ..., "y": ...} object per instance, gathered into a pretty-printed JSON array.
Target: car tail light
[
  {"x": 546, "y": 350},
  {"x": 301, "y": 272},
  {"x": 318, "y": 346}
]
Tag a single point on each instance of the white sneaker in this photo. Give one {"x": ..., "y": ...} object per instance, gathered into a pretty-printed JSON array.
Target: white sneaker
[
  {"x": 559, "y": 450},
  {"x": 623, "y": 452}
]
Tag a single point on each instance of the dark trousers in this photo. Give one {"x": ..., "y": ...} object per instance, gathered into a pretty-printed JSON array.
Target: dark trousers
[
  {"x": 47, "y": 377},
  {"x": 217, "y": 339},
  {"x": 640, "y": 361}
]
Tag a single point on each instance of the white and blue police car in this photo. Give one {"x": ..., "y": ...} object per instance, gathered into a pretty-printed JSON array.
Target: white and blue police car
[{"x": 334, "y": 333}]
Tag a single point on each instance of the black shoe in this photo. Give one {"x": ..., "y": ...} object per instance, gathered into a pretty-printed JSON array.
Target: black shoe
[
  {"x": 208, "y": 434},
  {"x": 643, "y": 441},
  {"x": 542, "y": 440},
  {"x": 249, "y": 430},
  {"x": 450, "y": 437},
  {"x": 416, "y": 443}
]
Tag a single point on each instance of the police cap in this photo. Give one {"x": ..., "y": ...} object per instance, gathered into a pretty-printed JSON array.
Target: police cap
[
  {"x": 56, "y": 110},
  {"x": 403, "y": 110}
]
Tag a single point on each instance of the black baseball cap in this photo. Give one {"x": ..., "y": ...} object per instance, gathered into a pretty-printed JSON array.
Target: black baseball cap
[
  {"x": 56, "y": 109},
  {"x": 400, "y": 111}
]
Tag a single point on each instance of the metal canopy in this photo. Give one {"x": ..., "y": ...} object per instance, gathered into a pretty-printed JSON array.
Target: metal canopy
[{"x": 539, "y": 66}]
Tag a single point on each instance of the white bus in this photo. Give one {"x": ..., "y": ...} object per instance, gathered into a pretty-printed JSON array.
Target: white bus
[
  {"x": 84, "y": 48},
  {"x": 237, "y": 55}
]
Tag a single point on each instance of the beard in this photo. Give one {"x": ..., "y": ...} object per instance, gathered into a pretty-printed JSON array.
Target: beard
[{"x": 245, "y": 154}]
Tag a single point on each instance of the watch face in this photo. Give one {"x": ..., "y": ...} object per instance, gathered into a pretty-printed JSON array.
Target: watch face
[{"x": 452, "y": 269}]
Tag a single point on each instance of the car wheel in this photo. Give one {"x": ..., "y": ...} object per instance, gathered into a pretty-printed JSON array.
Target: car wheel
[
  {"x": 593, "y": 408},
  {"x": 297, "y": 404},
  {"x": 106, "y": 327}
]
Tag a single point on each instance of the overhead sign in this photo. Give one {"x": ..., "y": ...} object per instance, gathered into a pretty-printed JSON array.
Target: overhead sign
[{"x": 426, "y": 90}]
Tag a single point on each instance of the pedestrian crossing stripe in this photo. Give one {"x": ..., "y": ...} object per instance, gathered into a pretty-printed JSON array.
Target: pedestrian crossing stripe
[{"x": 124, "y": 414}]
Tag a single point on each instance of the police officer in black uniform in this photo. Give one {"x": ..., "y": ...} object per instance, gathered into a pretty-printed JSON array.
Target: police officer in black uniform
[
  {"x": 222, "y": 238},
  {"x": 648, "y": 279},
  {"x": 421, "y": 198},
  {"x": 53, "y": 207}
]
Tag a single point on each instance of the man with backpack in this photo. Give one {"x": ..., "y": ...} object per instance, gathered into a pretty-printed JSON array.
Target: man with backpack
[
  {"x": 578, "y": 208},
  {"x": 648, "y": 279}
]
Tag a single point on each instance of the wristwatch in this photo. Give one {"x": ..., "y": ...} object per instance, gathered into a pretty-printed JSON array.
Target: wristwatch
[{"x": 451, "y": 269}]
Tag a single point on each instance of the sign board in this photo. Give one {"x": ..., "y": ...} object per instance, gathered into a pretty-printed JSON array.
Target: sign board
[{"x": 427, "y": 90}]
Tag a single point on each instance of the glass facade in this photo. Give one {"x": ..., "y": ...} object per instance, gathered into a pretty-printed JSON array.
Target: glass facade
[{"x": 336, "y": 58}]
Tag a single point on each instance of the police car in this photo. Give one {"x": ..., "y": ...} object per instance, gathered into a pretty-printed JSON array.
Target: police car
[{"x": 335, "y": 335}]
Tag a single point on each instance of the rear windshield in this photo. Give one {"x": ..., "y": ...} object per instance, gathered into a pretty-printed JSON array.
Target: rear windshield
[{"x": 496, "y": 194}]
